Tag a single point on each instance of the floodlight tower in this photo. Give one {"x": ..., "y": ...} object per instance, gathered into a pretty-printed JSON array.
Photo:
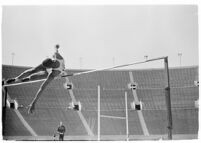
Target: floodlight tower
[
  {"x": 80, "y": 62},
  {"x": 12, "y": 54},
  {"x": 113, "y": 61},
  {"x": 146, "y": 57},
  {"x": 180, "y": 54}
]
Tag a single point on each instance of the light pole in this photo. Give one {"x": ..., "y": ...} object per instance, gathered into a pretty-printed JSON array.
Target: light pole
[
  {"x": 146, "y": 57},
  {"x": 12, "y": 54},
  {"x": 180, "y": 54},
  {"x": 113, "y": 61},
  {"x": 81, "y": 62}
]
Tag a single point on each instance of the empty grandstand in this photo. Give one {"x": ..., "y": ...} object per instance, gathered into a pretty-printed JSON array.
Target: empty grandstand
[{"x": 150, "y": 123}]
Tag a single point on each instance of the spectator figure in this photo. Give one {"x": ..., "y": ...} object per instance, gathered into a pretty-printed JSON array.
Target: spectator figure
[{"x": 61, "y": 131}]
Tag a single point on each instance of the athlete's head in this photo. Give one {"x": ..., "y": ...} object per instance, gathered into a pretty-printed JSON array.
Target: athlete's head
[{"x": 57, "y": 46}]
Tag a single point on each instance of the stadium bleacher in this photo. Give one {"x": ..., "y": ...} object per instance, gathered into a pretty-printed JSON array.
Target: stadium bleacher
[{"x": 51, "y": 107}]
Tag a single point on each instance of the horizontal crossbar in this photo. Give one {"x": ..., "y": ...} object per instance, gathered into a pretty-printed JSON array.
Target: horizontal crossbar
[{"x": 114, "y": 67}]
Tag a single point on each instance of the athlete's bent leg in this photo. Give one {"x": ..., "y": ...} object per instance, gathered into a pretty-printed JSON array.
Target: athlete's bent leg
[
  {"x": 50, "y": 77},
  {"x": 27, "y": 73},
  {"x": 31, "y": 71},
  {"x": 36, "y": 76}
]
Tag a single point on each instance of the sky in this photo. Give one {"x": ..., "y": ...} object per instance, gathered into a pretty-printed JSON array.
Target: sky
[{"x": 98, "y": 36}]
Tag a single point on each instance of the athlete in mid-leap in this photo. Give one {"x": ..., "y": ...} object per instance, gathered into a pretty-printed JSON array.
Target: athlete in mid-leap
[{"x": 48, "y": 69}]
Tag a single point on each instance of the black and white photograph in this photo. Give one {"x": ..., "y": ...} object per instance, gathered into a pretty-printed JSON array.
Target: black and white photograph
[{"x": 126, "y": 72}]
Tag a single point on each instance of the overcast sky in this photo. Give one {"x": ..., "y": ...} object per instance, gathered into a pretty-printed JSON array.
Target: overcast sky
[{"x": 100, "y": 36}]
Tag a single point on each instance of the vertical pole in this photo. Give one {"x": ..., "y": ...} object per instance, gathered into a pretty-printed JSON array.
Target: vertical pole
[
  {"x": 168, "y": 99},
  {"x": 126, "y": 107},
  {"x": 98, "y": 112},
  {"x": 80, "y": 62},
  {"x": 5, "y": 95},
  {"x": 113, "y": 61},
  {"x": 5, "y": 91},
  {"x": 146, "y": 57},
  {"x": 13, "y": 54},
  {"x": 180, "y": 54}
]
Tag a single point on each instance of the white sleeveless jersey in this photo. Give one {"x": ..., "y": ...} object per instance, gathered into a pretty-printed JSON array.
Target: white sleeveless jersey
[{"x": 61, "y": 65}]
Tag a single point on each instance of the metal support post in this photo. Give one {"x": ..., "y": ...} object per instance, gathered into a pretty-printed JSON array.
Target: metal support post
[
  {"x": 98, "y": 112},
  {"x": 168, "y": 99},
  {"x": 126, "y": 108},
  {"x": 5, "y": 93}
]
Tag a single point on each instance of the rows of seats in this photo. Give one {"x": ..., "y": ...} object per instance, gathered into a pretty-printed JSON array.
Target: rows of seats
[
  {"x": 51, "y": 108},
  {"x": 12, "y": 125},
  {"x": 112, "y": 80},
  {"x": 183, "y": 76},
  {"x": 151, "y": 85}
]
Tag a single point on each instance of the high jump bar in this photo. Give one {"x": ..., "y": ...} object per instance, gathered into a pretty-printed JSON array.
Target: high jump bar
[
  {"x": 114, "y": 67},
  {"x": 86, "y": 72}
]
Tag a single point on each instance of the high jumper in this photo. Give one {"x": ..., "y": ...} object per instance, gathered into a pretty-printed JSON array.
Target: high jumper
[{"x": 48, "y": 70}]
